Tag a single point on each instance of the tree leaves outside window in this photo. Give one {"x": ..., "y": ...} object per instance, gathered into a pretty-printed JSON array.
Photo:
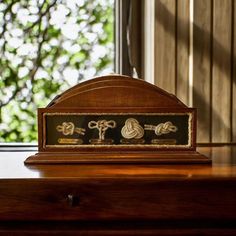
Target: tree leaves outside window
[{"x": 47, "y": 46}]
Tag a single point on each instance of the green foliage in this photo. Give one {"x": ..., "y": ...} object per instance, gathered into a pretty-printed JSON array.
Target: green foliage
[{"x": 47, "y": 46}]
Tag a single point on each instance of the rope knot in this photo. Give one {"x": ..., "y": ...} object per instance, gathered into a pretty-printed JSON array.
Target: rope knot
[
  {"x": 162, "y": 128},
  {"x": 67, "y": 128},
  {"x": 102, "y": 126},
  {"x": 132, "y": 129}
]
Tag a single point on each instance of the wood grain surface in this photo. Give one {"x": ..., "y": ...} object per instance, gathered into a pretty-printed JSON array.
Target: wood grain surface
[
  {"x": 211, "y": 82},
  {"x": 119, "y": 199},
  {"x": 221, "y": 74},
  {"x": 233, "y": 84},
  {"x": 223, "y": 166},
  {"x": 165, "y": 50},
  {"x": 202, "y": 67},
  {"x": 182, "y": 47}
]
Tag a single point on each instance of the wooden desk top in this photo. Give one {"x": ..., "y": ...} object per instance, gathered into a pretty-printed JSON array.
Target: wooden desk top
[
  {"x": 145, "y": 196},
  {"x": 223, "y": 166}
]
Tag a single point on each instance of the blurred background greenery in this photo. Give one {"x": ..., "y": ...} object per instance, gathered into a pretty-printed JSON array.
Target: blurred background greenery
[{"x": 47, "y": 46}]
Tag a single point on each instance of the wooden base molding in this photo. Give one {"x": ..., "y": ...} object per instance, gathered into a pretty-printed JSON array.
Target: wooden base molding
[{"x": 187, "y": 157}]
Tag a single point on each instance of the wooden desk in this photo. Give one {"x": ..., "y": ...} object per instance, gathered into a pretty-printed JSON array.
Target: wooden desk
[{"x": 119, "y": 199}]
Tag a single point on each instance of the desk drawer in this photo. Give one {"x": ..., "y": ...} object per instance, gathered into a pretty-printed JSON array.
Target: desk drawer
[{"x": 114, "y": 199}]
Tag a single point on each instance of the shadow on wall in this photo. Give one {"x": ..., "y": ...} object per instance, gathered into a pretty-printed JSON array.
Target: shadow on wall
[{"x": 166, "y": 20}]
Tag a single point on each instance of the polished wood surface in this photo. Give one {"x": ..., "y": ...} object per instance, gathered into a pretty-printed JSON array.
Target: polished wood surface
[
  {"x": 115, "y": 91},
  {"x": 223, "y": 160},
  {"x": 119, "y": 199}
]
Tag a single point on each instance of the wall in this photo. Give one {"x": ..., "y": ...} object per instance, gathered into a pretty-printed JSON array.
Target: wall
[{"x": 195, "y": 48}]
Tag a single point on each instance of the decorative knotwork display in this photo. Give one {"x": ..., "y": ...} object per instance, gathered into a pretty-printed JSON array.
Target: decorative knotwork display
[
  {"x": 102, "y": 126},
  {"x": 116, "y": 129}
]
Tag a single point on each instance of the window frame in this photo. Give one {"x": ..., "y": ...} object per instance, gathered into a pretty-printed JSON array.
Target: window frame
[
  {"x": 128, "y": 40},
  {"x": 129, "y": 37}
]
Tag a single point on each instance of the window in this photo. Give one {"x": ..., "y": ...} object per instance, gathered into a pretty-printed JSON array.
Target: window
[{"x": 47, "y": 46}]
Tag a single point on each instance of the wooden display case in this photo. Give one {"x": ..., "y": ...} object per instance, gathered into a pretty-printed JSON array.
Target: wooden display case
[{"x": 116, "y": 119}]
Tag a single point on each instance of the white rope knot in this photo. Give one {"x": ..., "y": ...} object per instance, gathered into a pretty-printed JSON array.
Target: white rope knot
[
  {"x": 102, "y": 126},
  {"x": 132, "y": 129},
  {"x": 68, "y": 128},
  {"x": 162, "y": 128}
]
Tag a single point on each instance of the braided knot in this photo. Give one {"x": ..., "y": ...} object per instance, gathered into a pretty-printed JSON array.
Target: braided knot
[{"x": 132, "y": 129}]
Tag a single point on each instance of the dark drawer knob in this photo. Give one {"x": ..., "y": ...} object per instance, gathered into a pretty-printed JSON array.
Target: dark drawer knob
[{"x": 73, "y": 200}]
